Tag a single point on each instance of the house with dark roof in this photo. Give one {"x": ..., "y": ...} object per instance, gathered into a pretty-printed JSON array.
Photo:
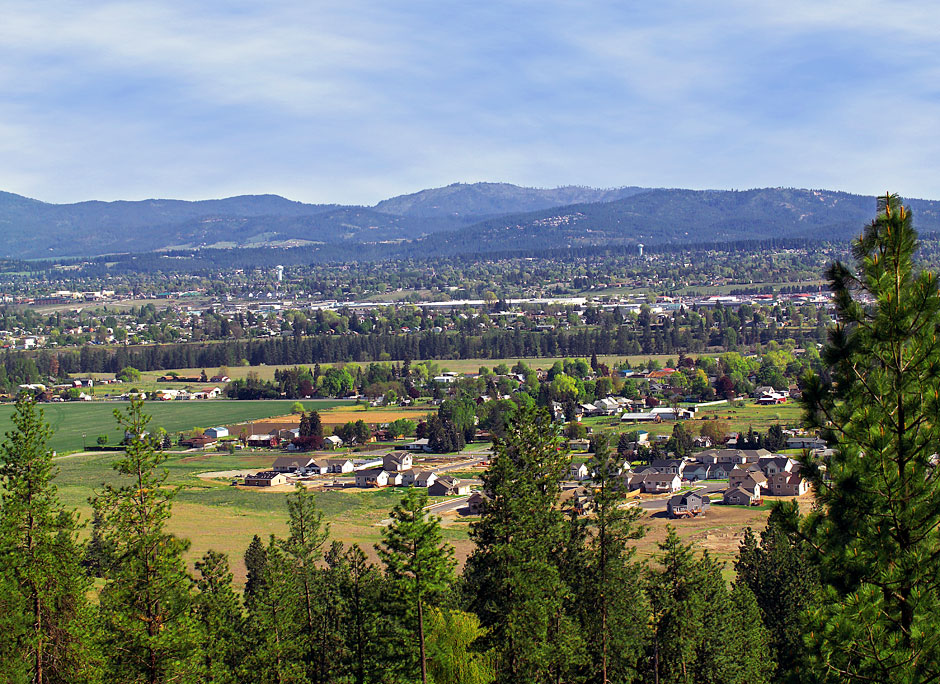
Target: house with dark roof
[
  {"x": 742, "y": 496},
  {"x": 446, "y": 485},
  {"x": 687, "y": 505},
  {"x": 653, "y": 482},
  {"x": 292, "y": 464},
  {"x": 266, "y": 478},
  {"x": 397, "y": 460}
]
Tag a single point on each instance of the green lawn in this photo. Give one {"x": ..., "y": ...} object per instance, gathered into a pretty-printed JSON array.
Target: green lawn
[{"x": 70, "y": 420}]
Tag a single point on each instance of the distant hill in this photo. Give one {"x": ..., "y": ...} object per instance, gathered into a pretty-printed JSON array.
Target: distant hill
[
  {"x": 489, "y": 199},
  {"x": 457, "y": 219},
  {"x": 678, "y": 216}
]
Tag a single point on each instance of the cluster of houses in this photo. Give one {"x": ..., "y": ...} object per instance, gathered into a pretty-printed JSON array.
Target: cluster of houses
[
  {"x": 394, "y": 469},
  {"x": 751, "y": 474},
  {"x": 184, "y": 395}
]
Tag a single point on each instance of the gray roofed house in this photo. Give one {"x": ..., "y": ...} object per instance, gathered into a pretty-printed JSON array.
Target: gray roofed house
[
  {"x": 292, "y": 464},
  {"x": 687, "y": 505},
  {"x": 397, "y": 460},
  {"x": 742, "y": 496},
  {"x": 655, "y": 482},
  {"x": 445, "y": 485},
  {"x": 425, "y": 478},
  {"x": 266, "y": 478}
]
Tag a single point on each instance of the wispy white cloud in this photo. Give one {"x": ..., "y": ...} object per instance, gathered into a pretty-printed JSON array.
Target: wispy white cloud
[{"x": 356, "y": 101}]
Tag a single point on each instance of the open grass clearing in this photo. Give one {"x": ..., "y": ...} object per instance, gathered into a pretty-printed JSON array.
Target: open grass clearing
[{"x": 71, "y": 419}]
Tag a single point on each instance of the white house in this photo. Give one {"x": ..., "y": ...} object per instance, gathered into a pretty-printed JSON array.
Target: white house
[
  {"x": 216, "y": 432},
  {"x": 579, "y": 471}
]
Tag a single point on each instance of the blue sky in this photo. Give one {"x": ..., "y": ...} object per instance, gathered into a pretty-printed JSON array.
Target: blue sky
[{"x": 356, "y": 101}]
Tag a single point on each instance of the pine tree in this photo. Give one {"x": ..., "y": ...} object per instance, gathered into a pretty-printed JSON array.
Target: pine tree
[
  {"x": 877, "y": 529},
  {"x": 676, "y": 607},
  {"x": 221, "y": 638},
  {"x": 609, "y": 589},
  {"x": 145, "y": 603},
  {"x": 256, "y": 558},
  {"x": 304, "y": 429},
  {"x": 515, "y": 575},
  {"x": 362, "y": 592},
  {"x": 784, "y": 580},
  {"x": 316, "y": 425},
  {"x": 46, "y": 619},
  {"x": 276, "y": 654},
  {"x": 417, "y": 562},
  {"x": 314, "y": 628}
]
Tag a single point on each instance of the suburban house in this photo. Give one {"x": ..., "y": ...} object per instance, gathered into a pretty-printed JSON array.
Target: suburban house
[
  {"x": 396, "y": 460},
  {"x": 292, "y": 464},
  {"x": 579, "y": 471},
  {"x": 580, "y": 499},
  {"x": 476, "y": 501},
  {"x": 408, "y": 477},
  {"x": 262, "y": 440},
  {"x": 746, "y": 475},
  {"x": 787, "y": 484},
  {"x": 742, "y": 496},
  {"x": 340, "y": 465},
  {"x": 704, "y": 471},
  {"x": 655, "y": 483},
  {"x": 771, "y": 465},
  {"x": 731, "y": 455},
  {"x": 446, "y": 485},
  {"x": 216, "y": 432},
  {"x": 266, "y": 478},
  {"x": 669, "y": 465},
  {"x": 418, "y": 445},
  {"x": 332, "y": 442},
  {"x": 425, "y": 478},
  {"x": 687, "y": 505},
  {"x": 806, "y": 442},
  {"x": 378, "y": 477}
]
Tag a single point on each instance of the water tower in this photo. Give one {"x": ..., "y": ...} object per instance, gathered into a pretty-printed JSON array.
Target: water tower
[
  {"x": 280, "y": 273},
  {"x": 639, "y": 248}
]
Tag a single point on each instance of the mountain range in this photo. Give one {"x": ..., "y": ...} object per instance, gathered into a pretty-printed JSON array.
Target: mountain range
[{"x": 456, "y": 219}]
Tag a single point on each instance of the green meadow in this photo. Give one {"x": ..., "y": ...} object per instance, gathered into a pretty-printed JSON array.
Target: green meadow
[{"x": 69, "y": 420}]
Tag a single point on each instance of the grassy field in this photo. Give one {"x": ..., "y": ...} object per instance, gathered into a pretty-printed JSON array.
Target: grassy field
[
  {"x": 70, "y": 420},
  {"x": 214, "y": 515},
  {"x": 733, "y": 419}
]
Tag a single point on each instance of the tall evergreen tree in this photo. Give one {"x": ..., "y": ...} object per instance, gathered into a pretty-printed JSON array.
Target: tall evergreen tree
[
  {"x": 701, "y": 632},
  {"x": 877, "y": 528},
  {"x": 145, "y": 603},
  {"x": 220, "y": 622},
  {"x": 316, "y": 425},
  {"x": 45, "y": 628},
  {"x": 417, "y": 562},
  {"x": 609, "y": 593},
  {"x": 365, "y": 625},
  {"x": 315, "y": 627},
  {"x": 515, "y": 574},
  {"x": 256, "y": 558},
  {"x": 785, "y": 582}
]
